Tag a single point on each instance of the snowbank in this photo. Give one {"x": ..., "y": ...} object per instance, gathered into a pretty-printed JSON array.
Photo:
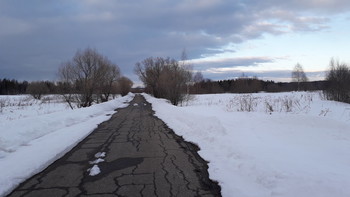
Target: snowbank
[
  {"x": 296, "y": 150},
  {"x": 28, "y": 145}
]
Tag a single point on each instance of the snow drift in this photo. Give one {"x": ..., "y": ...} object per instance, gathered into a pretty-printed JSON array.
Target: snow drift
[{"x": 301, "y": 149}]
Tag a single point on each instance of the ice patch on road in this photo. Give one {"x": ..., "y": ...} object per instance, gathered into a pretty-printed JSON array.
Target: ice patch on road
[
  {"x": 135, "y": 104},
  {"x": 99, "y": 160},
  {"x": 95, "y": 170},
  {"x": 100, "y": 154}
]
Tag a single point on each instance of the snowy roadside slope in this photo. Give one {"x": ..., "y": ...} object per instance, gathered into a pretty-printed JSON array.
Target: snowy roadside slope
[
  {"x": 304, "y": 152},
  {"x": 29, "y": 145},
  {"x": 204, "y": 130},
  {"x": 14, "y": 107}
]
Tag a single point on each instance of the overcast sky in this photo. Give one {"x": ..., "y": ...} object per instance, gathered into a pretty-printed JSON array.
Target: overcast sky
[{"x": 222, "y": 38}]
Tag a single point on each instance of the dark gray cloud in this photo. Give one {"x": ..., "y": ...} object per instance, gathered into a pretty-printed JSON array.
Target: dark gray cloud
[{"x": 36, "y": 36}]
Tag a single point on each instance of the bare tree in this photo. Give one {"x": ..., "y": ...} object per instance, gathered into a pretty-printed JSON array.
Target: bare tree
[
  {"x": 164, "y": 78},
  {"x": 66, "y": 85},
  {"x": 197, "y": 83},
  {"x": 198, "y": 77},
  {"x": 109, "y": 73},
  {"x": 173, "y": 82},
  {"x": 124, "y": 85},
  {"x": 298, "y": 75},
  {"x": 149, "y": 72},
  {"x": 338, "y": 82},
  {"x": 37, "y": 89},
  {"x": 90, "y": 74}
]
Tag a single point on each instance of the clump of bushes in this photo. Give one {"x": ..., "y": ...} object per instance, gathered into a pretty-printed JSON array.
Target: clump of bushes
[
  {"x": 338, "y": 82},
  {"x": 37, "y": 89}
]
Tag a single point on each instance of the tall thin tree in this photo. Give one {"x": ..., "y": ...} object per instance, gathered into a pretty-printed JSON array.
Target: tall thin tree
[{"x": 298, "y": 75}]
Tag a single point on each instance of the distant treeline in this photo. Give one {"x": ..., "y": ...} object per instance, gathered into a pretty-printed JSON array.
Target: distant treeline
[
  {"x": 13, "y": 87},
  {"x": 241, "y": 85},
  {"x": 252, "y": 85}
]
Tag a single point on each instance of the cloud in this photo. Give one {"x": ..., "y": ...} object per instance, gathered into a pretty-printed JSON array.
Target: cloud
[
  {"x": 224, "y": 64},
  {"x": 100, "y": 17},
  {"x": 129, "y": 31},
  {"x": 12, "y": 26}
]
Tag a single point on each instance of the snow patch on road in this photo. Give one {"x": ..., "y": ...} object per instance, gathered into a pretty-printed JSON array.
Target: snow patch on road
[
  {"x": 95, "y": 170},
  {"x": 100, "y": 154},
  {"x": 99, "y": 160}
]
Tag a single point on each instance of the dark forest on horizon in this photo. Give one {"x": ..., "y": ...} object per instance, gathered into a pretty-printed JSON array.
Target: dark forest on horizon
[{"x": 240, "y": 85}]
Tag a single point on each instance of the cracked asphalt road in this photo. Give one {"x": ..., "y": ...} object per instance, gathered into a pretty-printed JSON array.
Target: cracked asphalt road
[{"x": 135, "y": 153}]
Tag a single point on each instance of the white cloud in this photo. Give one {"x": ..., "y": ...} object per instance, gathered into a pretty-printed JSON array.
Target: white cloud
[{"x": 218, "y": 63}]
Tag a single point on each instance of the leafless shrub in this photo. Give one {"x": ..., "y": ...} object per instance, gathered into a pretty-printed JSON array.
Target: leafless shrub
[
  {"x": 269, "y": 107},
  {"x": 37, "y": 89},
  {"x": 164, "y": 78},
  {"x": 287, "y": 103},
  {"x": 231, "y": 105},
  {"x": 322, "y": 95},
  {"x": 2, "y": 104},
  {"x": 302, "y": 104},
  {"x": 338, "y": 79},
  {"x": 67, "y": 92},
  {"x": 124, "y": 85},
  {"x": 187, "y": 99},
  {"x": 247, "y": 103},
  {"x": 324, "y": 112},
  {"x": 52, "y": 99}
]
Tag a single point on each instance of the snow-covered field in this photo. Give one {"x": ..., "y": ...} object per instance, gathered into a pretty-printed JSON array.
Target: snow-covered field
[
  {"x": 281, "y": 144},
  {"x": 35, "y": 133},
  {"x": 21, "y": 106},
  {"x": 268, "y": 144}
]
